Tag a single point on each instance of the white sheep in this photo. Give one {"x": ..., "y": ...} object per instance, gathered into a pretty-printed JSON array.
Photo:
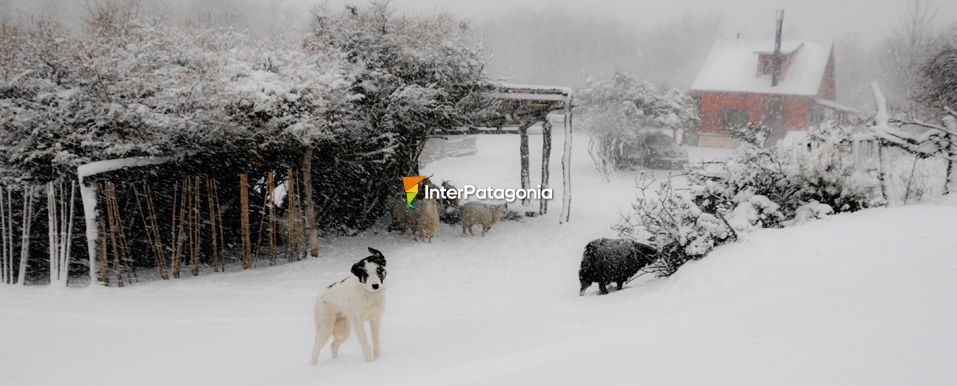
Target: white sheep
[
  {"x": 426, "y": 224},
  {"x": 422, "y": 220},
  {"x": 473, "y": 213}
]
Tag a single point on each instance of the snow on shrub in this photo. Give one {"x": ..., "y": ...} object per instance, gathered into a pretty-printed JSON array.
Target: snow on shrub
[
  {"x": 829, "y": 174},
  {"x": 754, "y": 211},
  {"x": 759, "y": 187},
  {"x": 810, "y": 211},
  {"x": 671, "y": 220}
]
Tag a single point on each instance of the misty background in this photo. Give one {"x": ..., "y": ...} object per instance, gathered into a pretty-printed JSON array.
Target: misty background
[{"x": 565, "y": 42}]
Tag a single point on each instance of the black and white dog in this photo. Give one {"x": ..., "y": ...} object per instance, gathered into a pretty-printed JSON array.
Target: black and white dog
[{"x": 345, "y": 305}]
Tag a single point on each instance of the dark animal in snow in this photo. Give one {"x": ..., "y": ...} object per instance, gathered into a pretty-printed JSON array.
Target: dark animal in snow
[{"x": 613, "y": 261}]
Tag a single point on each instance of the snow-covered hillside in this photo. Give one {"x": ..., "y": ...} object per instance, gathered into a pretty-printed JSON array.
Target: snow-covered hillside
[{"x": 863, "y": 298}]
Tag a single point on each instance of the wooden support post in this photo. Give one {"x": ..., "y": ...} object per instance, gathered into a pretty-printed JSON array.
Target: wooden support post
[
  {"x": 10, "y": 242},
  {"x": 195, "y": 225},
  {"x": 25, "y": 236},
  {"x": 546, "y": 155},
  {"x": 215, "y": 224},
  {"x": 950, "y": 122},
  {"x": 121, "y": 233},
  {"x": 112, "y": 228},
  {"x": 179, "y": 218},
  {"x": 6, "y": 233},
  {"x": 523, "y": 152},
  {"x": 147, "y": 212},
  {"x": 66, "y": 235},
  {"x": 270, "y": 189},
  {"x": 566, "y": 165},
  {"x": 52, "y": 232},
  {"x": 311, "y": 226},
  {"x": 102, "y": 260},
  {"x": 293, "y": 220},
  {"x": 244, "y": 212},
  {"x": 4, "y": 265}
]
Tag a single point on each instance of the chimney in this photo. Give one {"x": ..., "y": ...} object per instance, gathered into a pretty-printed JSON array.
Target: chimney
[{"x": 776, "y": 58}]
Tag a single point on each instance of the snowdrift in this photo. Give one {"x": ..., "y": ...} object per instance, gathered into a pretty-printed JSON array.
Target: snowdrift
[{"x": 865, "y": 298}]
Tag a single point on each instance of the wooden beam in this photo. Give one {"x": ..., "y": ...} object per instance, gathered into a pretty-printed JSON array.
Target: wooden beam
[{"x": 474, "y": 132}]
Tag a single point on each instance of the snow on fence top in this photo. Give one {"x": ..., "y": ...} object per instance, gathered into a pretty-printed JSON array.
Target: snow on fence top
[
  {"x": 98, "y": 167},
  {"x": 933, "y": 142},
  {"x": 834, "y": 105},
  {"x": 732, "y": 66}
]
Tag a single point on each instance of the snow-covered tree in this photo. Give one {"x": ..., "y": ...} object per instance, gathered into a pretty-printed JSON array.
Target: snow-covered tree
[
  {"x": 915, "y": 39},
  {"x": 939, "y": 82},
  {"x": 616, "y": 110},
  {"x": 413, "y": 75}
]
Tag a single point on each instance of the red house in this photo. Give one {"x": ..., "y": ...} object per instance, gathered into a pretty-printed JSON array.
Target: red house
[{"x": 735, "y": 88}]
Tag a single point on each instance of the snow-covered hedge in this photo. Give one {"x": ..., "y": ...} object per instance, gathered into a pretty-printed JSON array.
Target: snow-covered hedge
[
  {"x": 758, "y": 187},
  {"x": 364, "y": 89}
]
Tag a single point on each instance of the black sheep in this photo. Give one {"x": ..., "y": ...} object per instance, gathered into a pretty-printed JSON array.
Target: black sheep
[{"x": 613, "y": 260}]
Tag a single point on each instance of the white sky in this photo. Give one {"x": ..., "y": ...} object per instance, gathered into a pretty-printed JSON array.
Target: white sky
[{"x": 869, "y": 19}]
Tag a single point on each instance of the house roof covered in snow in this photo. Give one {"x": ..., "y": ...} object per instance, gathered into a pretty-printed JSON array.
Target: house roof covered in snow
[{"x": 732, "y": 66}]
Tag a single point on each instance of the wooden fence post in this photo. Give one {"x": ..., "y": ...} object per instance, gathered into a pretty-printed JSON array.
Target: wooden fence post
[
  {"x": 311, "y": 226},
  {"x": 244, "y": 212}
]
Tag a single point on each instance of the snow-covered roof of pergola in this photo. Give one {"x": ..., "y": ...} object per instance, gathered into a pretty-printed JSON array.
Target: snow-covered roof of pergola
[{"x": 516, "y": 107}]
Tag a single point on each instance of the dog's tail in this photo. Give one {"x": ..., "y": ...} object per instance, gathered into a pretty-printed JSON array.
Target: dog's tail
[{"x": 315, "y": 312}]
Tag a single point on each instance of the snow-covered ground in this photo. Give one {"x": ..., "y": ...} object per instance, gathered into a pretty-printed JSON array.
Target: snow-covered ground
[{"x": 857, "y": 299}]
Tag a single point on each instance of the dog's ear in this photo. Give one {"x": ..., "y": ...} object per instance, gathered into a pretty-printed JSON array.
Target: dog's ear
[
  {"x": 377, "y": 257},
  {"x": 359, "y": 270},
  {"x": 375, "y": 252}
]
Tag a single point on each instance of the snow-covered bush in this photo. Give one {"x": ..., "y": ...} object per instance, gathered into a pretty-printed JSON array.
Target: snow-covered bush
[
  {"x": 615, "y": 110},
  {"x": 787, "y": 177},
  {"x": 829, "y": 175},
  {"x": 754, "y": 211},
  {"x": 672, "y": 221},
  {"x": 759, "y": 187}
]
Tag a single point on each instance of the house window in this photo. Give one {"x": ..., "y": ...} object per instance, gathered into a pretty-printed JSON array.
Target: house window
[
  {"x": 765, "y": 65},
  {"x": 733, "y": 118}
]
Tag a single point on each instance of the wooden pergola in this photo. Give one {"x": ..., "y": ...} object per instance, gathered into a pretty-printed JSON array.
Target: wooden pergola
[{"x": 516, "y": 107}]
